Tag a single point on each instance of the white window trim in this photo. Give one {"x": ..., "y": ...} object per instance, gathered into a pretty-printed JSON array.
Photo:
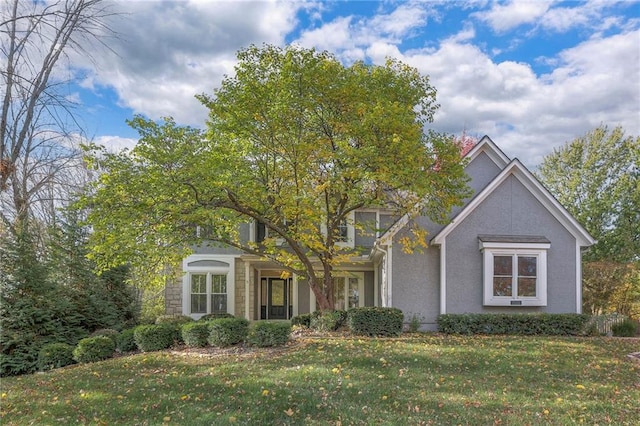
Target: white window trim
[
  {"x": 351, "y": 232},
  {"x": 209, "y": 270},
  {"x": 537, "y": 250}
]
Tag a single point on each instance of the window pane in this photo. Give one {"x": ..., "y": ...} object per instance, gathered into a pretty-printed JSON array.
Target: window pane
[
  {"x": 502, "y": 265},
  {"x": 502, "y": 286},
  {"x": 198, "y": 303},
  {"x": 354, "y": 296},
  {"x": 277, "y": 293},
  {"x": 527, "y": 266},
  {"x": 338, "y": 293},
  {"x": 218, "y": 284},
  {"x": 527, "y": 287},
  {"x": 198, "y": 283},
  {"x": 218, "y": 303}
]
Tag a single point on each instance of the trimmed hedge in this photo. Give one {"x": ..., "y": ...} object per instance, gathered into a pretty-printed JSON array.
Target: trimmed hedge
[
  {"x": 55, "y": 355},
  {"x": 515, "y": 324},
  {"x": 328, "y": 320},
  {"x": 174, "y": 319},
  {"x": 626, "y": 328},
  {"x": 195, "y": 334},
  {"x": 108, "y": 332},
  {"x": 154, "y": 337},
  {"x": 125, "y": 341},
  {"x": 227, "y": 331},
  {"x": 215, "y": 315},
  {"x": 303, "y": 320},
  {"x": 269, "y": 333},
  {"x": 375, "y": 321},
  {"x": 92, "y": 349}
]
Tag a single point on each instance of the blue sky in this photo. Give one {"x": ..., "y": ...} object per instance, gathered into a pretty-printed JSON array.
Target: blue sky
[{"x": 530, "y": 74}]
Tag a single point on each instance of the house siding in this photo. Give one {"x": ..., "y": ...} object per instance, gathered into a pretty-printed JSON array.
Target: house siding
[{"x": 509, "y": 210}]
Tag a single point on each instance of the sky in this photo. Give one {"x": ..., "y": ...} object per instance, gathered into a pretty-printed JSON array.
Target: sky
[{"x": 532, "y": 75}]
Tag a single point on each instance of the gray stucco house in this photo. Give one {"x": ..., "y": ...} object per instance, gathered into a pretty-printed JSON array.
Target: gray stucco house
[{"x": 510, "y": 248}]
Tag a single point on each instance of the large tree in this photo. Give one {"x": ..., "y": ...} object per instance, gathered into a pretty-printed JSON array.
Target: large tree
[
  {"x": 295, "y": 141},
  {"x": 597, "y": 178},
  {"x": 40, "y": 161}
]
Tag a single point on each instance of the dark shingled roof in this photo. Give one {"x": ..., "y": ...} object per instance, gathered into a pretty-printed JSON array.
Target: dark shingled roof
[{"x": 513, "y": 239}]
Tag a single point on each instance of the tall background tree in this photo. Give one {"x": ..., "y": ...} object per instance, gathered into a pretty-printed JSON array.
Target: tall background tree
[
  {"x": 48, "y": 291},
  {"x": 597, "y": 177},
  {"x": 296, "y": 141}
]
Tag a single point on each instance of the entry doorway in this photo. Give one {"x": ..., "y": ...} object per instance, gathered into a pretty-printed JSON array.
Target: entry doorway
[{"x": 276, "y": 298}]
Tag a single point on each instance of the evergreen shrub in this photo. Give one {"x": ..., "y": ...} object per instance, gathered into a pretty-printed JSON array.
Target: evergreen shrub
[
  {"x": 55, "y": 355},
  {"x": 328, "y": 320},
  {"x": 125, "y": 341},
  {"x": 375, "y": 321},
  {"x": 154, "y": 337},
  {"x": 227, "y": 331},
  {"x": 215, "y": 315},
  {"x": 626, "y": 328},
  {"x": 303, "y": 320},
  {"x": 269, "y": 333},
  {"x": 92, "y": 349},
  {"x": 515, "y": 324},
  {"x": 195, "y": 334}
]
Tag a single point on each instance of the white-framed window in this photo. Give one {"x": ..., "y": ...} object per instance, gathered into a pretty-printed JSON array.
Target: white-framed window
[
  {"x": 515, "y": 274},
  {"x": 208, "y": 285},
  {"x": 348, "y": 291}
]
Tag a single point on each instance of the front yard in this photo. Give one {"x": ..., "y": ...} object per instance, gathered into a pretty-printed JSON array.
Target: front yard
[{"x": 418, "y": 380}]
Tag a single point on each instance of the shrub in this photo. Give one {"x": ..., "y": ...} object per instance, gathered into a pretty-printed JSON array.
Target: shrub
[
  {"x": 227, "y": 331},
  {"x": 195, "y": 334},
  {"x": 303, "y": 320},
  {"x": 108, "y": 332},
  {"x": 125, "y": 341},
  {"x": 269, "y": 333},
  {"x": 174, "y": 319},
  {"x": 414, "y": 321},
  {"x": 375, "y": 321},
  {"x": 215, "y": 315},
  {"x": 154, "y": 337},
  {"x": 328, "y": 320},
  {"x": 515, "y": 324},
  {"x": 626, "y": 328},
  {"x": 92, "y": 349},
  {"x": 55, "y": 355}
]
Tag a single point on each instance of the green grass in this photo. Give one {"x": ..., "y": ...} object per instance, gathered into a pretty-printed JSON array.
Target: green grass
[{"x": 419, "y": 380}]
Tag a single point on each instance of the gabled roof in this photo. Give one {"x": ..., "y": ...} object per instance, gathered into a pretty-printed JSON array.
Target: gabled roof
[
  {"x": 516, "y": 169},
  {"x": 487, "y": 146}
]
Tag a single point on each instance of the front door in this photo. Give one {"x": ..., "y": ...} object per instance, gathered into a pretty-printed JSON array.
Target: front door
[{"x": 276, "y": 298}]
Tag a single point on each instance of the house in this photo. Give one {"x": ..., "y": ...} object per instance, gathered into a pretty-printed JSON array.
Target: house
[{"x": 510, "y": 248}]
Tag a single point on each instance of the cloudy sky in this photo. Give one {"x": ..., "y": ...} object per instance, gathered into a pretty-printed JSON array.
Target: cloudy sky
[{"x": 530, "y": 74}]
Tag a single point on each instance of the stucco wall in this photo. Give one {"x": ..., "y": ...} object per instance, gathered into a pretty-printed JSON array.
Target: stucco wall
[{"x": 510, "y": 210}]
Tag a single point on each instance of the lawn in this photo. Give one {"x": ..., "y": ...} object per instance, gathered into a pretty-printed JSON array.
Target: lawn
[{"x": 424, "y": 379}]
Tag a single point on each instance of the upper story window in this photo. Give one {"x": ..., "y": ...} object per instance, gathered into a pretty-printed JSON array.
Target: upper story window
[{"x": 515, "y": 270}]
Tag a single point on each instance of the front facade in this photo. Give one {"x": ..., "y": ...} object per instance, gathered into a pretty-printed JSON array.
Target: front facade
[{"x": 511, "y": 248}]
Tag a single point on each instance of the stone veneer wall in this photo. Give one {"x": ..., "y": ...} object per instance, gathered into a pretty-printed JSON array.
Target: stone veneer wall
[
  {"x": 173, "y": 296},
  {"x": 239, "y": 308}
]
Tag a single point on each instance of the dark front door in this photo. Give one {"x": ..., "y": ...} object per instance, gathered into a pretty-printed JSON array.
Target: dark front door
[{"x": 276, "y": 298}]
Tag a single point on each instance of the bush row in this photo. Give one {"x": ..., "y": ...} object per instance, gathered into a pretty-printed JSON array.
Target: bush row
[
  {"x": 365, "y": 321},
  {"x": 168, "y": 330},
  {"x": 515, "y": 324}
]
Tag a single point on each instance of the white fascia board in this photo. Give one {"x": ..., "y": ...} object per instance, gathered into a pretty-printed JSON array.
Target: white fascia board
[
  {"x": 487, "y": 146},
  {"x": 514, "y": 246}
]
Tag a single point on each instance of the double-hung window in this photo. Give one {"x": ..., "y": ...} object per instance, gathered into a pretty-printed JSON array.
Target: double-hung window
[
  {"x": 515, "y": 270},
  {"x": 208, "y": 287}
]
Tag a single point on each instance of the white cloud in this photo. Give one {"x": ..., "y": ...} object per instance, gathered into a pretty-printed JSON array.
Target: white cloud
[
  {"x": 503, "y": 17},
  {"x": 115, "y": 143}
]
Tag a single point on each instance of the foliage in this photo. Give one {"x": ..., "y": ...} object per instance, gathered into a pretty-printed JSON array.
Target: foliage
[
  {"x": 215, "y": 315},
  {"x": 93, "y": 349},
  {"x": 174, "y": 319},
  {"x": 303, "y": 320},
  {"x": 414, "y": 321},
  {"x": 125, "y": 341},
  {"x": 611, "y": 287},
  {"x": 227, "y": 331},
  {"x": 518, "y": 324},
  {"x": 433, "y": 378},
  {"x": 269, "y": 333},
  {"x": 296, "y": 142},
  {"x": 154, "y": 337},
  {"x": 626, "y": 328},
  {"x": 327, "y": 320},
  {"x": 375, "y": 321},
  {"x": 195, "y": 333},
  {"x": 597, "y": 178},
  {"x": 55, "y": 355},
  {"x": 108, "y": 332}
]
